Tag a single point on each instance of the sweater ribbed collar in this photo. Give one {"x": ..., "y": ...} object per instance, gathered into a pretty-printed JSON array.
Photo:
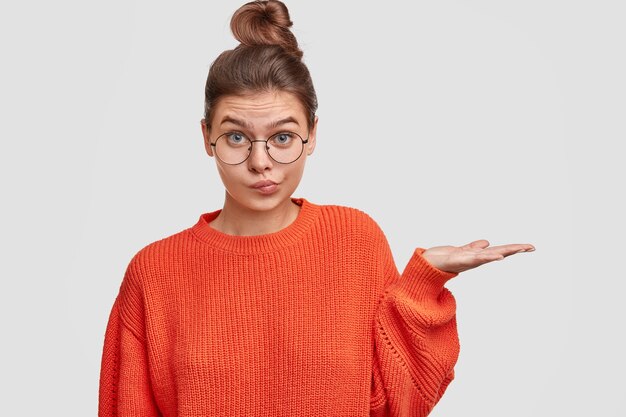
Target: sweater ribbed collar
[{"x": 270, "y": 242}]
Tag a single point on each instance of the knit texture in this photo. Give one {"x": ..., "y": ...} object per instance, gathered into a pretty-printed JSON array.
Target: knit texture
[{"x": 312, "y": 320}]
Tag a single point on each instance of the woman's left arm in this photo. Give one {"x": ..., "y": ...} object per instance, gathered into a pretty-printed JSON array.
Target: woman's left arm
[{"x": 416, "y": 341}]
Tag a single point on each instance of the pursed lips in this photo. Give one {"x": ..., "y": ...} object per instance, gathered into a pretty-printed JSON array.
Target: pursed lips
[{"x": 263, "y": 183}]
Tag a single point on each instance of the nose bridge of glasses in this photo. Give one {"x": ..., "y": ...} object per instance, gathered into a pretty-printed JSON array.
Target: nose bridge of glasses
[
  {"x": 258, "y": 140},
  {"x": 264, "y": 149},
  {"x": 265, "y": 145}
]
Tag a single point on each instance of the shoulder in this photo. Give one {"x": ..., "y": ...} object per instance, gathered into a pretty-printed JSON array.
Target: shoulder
[
  {"x": 144, "y": 270},
  {"x": 346, "y": 214},
  {"x": 157, "y": 256},
  {"x": 351, "y": 220}
]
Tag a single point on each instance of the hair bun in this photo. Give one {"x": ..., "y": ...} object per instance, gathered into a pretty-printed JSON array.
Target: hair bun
[{"x": 265, "y": 23}]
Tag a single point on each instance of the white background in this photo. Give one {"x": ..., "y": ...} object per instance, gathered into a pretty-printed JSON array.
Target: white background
[{"x": 446, "y": 121}]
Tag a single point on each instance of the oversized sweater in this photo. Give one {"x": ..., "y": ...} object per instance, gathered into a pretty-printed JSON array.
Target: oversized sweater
[{"x": 312, "y": 320}]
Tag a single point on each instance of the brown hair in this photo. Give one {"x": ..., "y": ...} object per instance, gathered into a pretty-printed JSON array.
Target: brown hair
[{"x": 267, "y": 59}]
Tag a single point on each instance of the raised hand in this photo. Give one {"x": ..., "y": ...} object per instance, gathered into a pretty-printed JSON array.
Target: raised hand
[{"x": 476, "y": 253}]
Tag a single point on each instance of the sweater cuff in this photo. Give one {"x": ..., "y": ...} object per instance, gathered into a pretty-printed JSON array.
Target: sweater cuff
[{"x": 422, "y": 280}]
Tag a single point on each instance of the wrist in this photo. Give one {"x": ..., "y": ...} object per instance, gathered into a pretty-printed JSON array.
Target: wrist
[{"x": 435, "y": 261}]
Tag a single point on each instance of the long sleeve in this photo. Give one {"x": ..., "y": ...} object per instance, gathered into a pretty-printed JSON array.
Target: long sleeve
[
  {"x": 125, "y": 388},
  {"x": 416, "y": 340}
]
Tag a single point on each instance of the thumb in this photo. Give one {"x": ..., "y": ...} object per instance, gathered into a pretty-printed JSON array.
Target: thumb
[{"x": 477, "y": 244}]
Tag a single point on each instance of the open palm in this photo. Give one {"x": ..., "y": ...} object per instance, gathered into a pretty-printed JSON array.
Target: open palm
[{"x": 461, "y": 258}]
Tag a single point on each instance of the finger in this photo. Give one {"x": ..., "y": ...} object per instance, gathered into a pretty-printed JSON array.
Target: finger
[
  {"x": 522, "y": 247},
  {"x": 488, "y": 256},
  {"x": 477, "y": 244},
  {"x": 484, "y": 258},
  {"x": 513, "y": 248}
]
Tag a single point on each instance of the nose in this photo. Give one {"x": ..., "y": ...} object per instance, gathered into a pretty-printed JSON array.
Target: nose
[{"x": 259, "y": 160}]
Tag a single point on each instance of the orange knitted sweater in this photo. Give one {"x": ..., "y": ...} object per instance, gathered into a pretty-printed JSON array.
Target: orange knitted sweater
[{"x": 312, "y": 320}]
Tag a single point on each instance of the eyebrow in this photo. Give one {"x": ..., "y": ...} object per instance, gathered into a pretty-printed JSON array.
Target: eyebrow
[{"x": 249, "y": 126}]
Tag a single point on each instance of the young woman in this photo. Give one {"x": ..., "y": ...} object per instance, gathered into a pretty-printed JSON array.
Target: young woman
[{"x": 274, "y": 305}]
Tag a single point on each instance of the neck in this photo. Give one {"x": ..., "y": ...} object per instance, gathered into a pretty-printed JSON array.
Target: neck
[{"x": 235, "y": 219}]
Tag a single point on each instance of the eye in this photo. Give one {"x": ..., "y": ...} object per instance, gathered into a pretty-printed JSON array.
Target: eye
[
  {"x": 235, "y": 138},
  {"x": 283, "y": 139}
]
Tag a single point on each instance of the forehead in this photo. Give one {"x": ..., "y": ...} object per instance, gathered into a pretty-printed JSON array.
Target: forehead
[{"x": 258, "y": 109}]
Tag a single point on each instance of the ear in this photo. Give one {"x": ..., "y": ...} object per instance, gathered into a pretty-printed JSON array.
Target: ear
[
  {"x": 206, "y": 134},
  {"x": 310, "y": 146}
]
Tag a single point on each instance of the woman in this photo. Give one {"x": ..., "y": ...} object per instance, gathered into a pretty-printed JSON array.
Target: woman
[{"x": 274, "y": 305}]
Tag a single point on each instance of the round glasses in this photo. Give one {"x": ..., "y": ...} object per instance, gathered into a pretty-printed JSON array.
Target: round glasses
[{"x": 234, "y": 148}]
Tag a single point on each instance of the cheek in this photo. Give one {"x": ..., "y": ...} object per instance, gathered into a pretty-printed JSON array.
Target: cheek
[
  {"x": 295, "y": 171},
  {"x": 230, "y": 175}
]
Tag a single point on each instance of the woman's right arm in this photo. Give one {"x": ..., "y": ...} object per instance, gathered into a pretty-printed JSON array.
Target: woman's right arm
[{"x": 125, "y": 388}]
